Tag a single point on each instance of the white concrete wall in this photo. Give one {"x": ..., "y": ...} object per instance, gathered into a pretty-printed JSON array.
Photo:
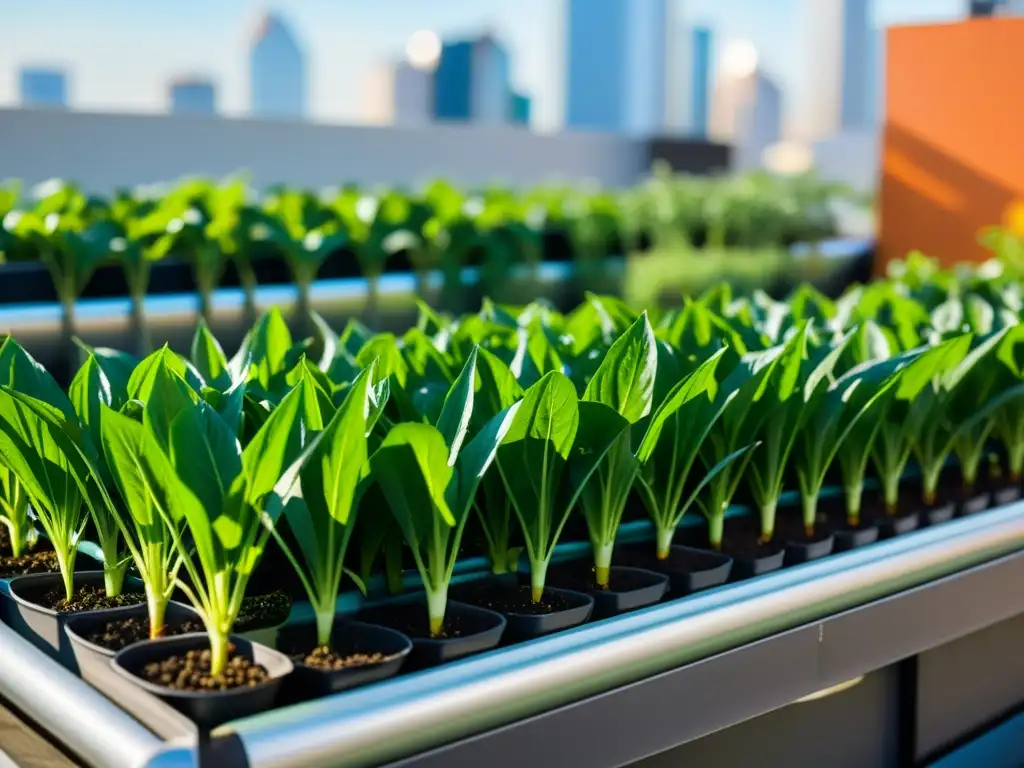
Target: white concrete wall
[{"x": 103, "y": 151}]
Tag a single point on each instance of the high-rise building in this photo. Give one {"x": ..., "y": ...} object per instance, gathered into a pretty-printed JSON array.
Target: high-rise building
[
  {"x": 617, "y": 62},
  {"x": 193, "y": 96},
  {"x": 747, "y": 107},
  {"x": 982, "y": 8},
  {"x": 521, "y": 108},
  {"x": 277, "y": 71},
  {"x": 471, "y": 82},
  {"x": 701, "y": 52},
  {"x": 839, "y": 66},
  {"x": 43, "y": 87},
  {"x": 399, "y": 94}
]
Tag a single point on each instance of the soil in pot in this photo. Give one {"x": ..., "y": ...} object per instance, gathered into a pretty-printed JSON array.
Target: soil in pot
[
  {"x": 190, "y": 671},
  {"x": 358, "y": 654},
  {"x": 261, "y": 611},
  {"x": 120, "y": 633},
  {"x": 176, "y": 670},
  {"x": 556, "y": 610},
  {"x": 801, "y": 548},
  {"x": 1004, "y": 492},
  {"x": 85, "y": 598},
  {"x": 32, "y": 562},
  {"x": 741, "y": 541},
  {"x": 467, "y": 629},
  {"x": 907, "y": 517},
  {"x": 628, "y": 587},
  {"x": 689, "y": 569},
  {"x": 832, "y": 513}
]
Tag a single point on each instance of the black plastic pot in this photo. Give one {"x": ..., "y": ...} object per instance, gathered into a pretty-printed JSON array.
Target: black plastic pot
[
  {"x": 941, "y": 513},
  {"x": 207, "y": 709},
  {"x": 94, "y": 660},
  {"x": 650, "y": 588},
  {"x": 526, "y": 627},
  {"x": 1005, "y": 494},
  {"x": 804, "y": 551},
  {"x": 44, "y": 627},
  {"x": 746, "y": 568},
  {"x": 851, "y": 538},
  {"x": 973, "y": 503},
  {"x": 482, "y": 630},
  {"x": 347, "y": 637},
  {"x": 689, "y": 569},
  {"x": 896, "y": 525}
]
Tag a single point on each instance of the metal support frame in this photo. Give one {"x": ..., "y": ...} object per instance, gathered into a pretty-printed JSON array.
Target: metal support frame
[{"x": 749, "y": 648}]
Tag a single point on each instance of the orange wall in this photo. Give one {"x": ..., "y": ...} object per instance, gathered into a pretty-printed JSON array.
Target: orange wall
[{"x": 953, "y": 146}]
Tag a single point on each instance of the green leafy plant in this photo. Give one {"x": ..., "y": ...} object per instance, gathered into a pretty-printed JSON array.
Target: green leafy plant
[
  {"x": 533, "y": 460},
  {"x": 429, "y": 475}
]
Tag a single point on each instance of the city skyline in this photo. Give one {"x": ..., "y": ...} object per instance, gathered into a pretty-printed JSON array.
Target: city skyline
[{"x": 533, "y": 31}]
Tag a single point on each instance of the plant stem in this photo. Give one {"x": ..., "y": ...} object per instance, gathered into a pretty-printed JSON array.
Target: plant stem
[
  {"x": 372, "y": 300},
  {"x": 247, "y": 278},
  {"x": 499, "y": 562},
  {"x": 66, "y": 564},
  {"x": 768, "y": 520},
  {"x": 113, "y": 578},
  {"x": 809, "y": 503},
  {"x": 324, "y": 624},
  {"x": 891, "y": 492},
  {"x": 664, "y": 541},
  {"x": 538, "y": 574},
  {"x": 930, "y": 483},
  {"x": 716, "y": 529},
  {"x": 437, "y": 601},
  {"x": 157, "y": 604},
  {"x": 393, "y": 568},
  {"x": 219, "y": 645},
  {"x": 603, "y": 563}
]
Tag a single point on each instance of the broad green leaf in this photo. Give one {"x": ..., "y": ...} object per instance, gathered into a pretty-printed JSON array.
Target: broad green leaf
[{"x": 625, "y": 379}]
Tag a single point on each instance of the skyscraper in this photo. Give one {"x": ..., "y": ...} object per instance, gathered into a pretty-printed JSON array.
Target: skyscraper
[
  {"x": 471, "y": 82},
  {"x": 747, "y": 108},
  {"x": 982, "y": 8},
  {"x": 521, "y": 108},
  {"x": 839, "y": 66},
  {"x": 193, "y": 96},
  {"x": 399, "y": 94},
  {"x": 43, "y": 87},
  {"x": 700, "y": 81},
  {"x": 616, "y": 65},
  {"x": 277, "y": 71}
]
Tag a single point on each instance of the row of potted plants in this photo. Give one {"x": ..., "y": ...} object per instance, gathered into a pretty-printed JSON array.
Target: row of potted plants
[
  {"x": 293, "y": 235},
  {"x": 373, "y": 457}
]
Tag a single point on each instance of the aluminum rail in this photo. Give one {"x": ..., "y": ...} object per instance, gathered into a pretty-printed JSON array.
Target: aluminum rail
[
  {"x": 97, "y": 731},
  {"x": 411, "y": 714}
]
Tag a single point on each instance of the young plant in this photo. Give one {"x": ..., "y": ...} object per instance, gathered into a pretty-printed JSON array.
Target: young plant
[
  {"x": 429, "y": 475},
  {"x": 534, "y": 460},
  {"x": 617, "y": 397},
  {"x": 32, "y": 449},
  {"x": 1009, "y": 419},
  {"x": 671, "y": 444},
  {"x": 841, "y": 424},
  {"x": 136, "y": 463},
  {"x": 902, "y": 425},
  {"x": 498, "y": 390},
  {"x": 321, "y": 504},
  {"x": 219, "y": 492},
  {"x": 14, "y": 513},
  {"x": 734, "y": 433}
]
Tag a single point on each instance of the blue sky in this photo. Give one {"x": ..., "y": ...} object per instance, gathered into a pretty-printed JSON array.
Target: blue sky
[{"x": 121, "y": 53}]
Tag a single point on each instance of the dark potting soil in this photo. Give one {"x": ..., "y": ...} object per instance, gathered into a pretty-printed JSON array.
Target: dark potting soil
[
  {"x": 32, "y": 562},
  {"x": 262, "y": 611},
  {"x": 191, "y": 672},
  {"x": 121, "y": 633},
  {"x": 411, "y": 620},
  {"x": 789, "y": 526},
  {"x": 86, "y": 598},
  {"x": 741, "y": 539},
  {"x": 517, "y": 600},
  {"x": 324, "y": 658},
  {"x": 833, "y": 513},
  {"x": 582, "y": 579}
]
